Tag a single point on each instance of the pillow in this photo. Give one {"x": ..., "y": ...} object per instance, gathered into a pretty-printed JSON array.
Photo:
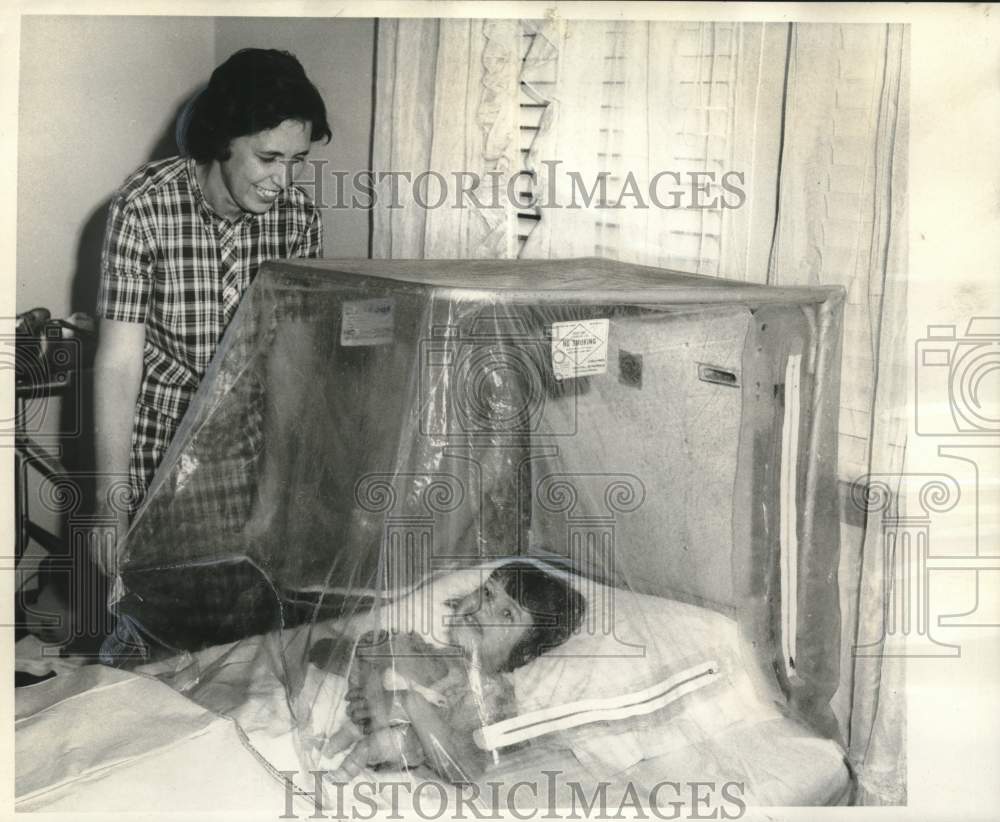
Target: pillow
[{"x": 630, "y": 642}]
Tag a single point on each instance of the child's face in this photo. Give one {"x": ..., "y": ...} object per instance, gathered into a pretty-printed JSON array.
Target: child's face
[{"x": 489, "y": 620}]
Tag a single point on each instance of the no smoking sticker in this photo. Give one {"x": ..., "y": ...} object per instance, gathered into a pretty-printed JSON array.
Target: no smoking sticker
[{"x": 580, "y": 348}]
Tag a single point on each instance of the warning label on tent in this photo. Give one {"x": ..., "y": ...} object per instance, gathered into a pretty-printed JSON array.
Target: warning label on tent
[
  {"x": 367, "y": 322},
  {"x": 579, "y": 348}
]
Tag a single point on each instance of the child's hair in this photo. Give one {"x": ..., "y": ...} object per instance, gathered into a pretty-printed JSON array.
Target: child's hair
[{"x": 556, "y": 608}]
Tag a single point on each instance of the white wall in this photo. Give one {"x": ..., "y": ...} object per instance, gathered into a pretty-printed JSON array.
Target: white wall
[
  {"x": 337, "y": 55},
  {"x": 98, "y": 97}
]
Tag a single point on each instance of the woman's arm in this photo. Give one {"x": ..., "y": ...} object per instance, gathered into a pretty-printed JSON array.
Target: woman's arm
[
  {"x": 128, "y": 260},
  {"x": 117, "y": 376}
]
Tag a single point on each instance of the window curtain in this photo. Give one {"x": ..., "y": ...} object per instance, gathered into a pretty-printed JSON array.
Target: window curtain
[
  {"x": 842, "y": 219},
  {"x": 660, "y": 109},
  {"x": 446, "y": 115},
  {"x": 815, "y": 119}
]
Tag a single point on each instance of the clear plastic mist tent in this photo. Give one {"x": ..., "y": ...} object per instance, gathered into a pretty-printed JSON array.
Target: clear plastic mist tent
[{"x": 479, "y": 522}]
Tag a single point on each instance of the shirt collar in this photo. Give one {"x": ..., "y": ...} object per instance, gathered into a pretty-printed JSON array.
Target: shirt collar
[{"x": 209, "y": 214}]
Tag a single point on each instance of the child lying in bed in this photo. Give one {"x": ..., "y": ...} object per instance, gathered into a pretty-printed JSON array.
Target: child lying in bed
[{"x": 421, "y": 705}]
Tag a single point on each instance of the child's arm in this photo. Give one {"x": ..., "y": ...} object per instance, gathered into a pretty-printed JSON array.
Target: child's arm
[
  {"x": 386, "y": 745},
  {"x": 450, "y": 751},
  {"x": 369, "y": 705}
]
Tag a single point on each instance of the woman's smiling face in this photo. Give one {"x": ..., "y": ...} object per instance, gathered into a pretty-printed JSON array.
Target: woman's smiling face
[{"x": 259, "y": 168}]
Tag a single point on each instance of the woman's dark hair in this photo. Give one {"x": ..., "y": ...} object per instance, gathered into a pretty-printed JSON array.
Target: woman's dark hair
[
  {"x": 556, "y": 608},
  {"x": 254, "y": 90}
]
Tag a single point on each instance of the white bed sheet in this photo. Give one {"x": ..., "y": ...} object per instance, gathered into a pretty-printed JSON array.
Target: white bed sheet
[
  {"x": 101, "y": 739},
  {"x": 779, "y": 760},
  {"x": 134, "y": 740},
  {"x": 104, "y": 740}
]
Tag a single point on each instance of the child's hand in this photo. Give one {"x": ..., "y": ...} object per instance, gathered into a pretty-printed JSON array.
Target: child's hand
[
  {"x": 417, "y": 660},
  {"x": 358, "y": 710},
  {"x": 373, "y": 646},
  {"x": 332, "y": 653},
  {"x": 408, "y": 645},
  {"x": 395, "y": 681}
]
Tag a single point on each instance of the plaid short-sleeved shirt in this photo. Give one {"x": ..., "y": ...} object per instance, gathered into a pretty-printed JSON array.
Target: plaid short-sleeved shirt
[{"x": 171, "y": 262}]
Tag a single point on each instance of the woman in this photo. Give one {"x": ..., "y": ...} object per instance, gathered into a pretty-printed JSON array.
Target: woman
[{"x": 184, "y": 240}]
